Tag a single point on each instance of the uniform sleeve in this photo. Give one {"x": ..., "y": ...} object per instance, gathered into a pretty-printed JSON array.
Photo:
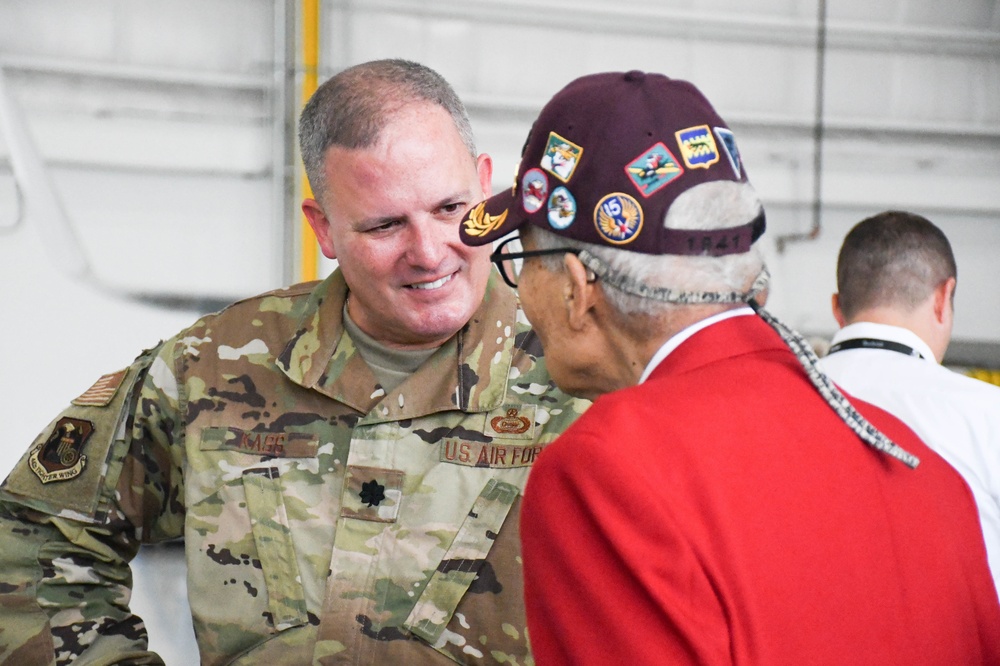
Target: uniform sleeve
[
  {"x": 97, "y": 482},
  {"x": 609, "y": 576}
]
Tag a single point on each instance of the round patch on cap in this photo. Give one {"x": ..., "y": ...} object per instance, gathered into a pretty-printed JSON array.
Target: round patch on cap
[
  {"x": 618, "y": 218},
  {"x": 562, "y": 208},
  {"x": 534, "y": 190}
]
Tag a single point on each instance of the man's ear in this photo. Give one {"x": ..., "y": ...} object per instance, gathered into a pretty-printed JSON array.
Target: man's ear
[
  {"x": 579, "y": 292},
  {"x": 484, "y": 167},
  {"x": 837, "y": 313},
  {"x": 943, "y": 301},
  {"x": 320, "y": 225}
]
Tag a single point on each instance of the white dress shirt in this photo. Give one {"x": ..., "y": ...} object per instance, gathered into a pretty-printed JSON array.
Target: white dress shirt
[
  {"x": 674, "y": 342},
  {"x": 957, "y": 416}
]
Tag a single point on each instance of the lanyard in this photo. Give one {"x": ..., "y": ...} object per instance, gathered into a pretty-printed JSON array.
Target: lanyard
[{"x": 874, "y": 343}]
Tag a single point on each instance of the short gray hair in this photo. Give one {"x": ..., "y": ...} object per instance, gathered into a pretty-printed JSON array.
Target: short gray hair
[
  {"x": 712, "y": 205},
  {"x": 352, "y": 108}
]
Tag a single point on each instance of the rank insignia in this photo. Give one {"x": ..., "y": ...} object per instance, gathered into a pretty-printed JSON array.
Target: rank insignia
[
  {"x": 698, "y": 147},
  {"x": 372, "y": 493},
  {"x": 562, "y": 208},
  {"x": 728, "y": 142},
  {"x": 561, "y": 157},
  {"x": 60, "y": 457},
  {"x": 534, "y": 190},
  {"x": 618, "y": 218},
  {"x": 480, "y": 223},
  {"x": 653, "y": 169}
]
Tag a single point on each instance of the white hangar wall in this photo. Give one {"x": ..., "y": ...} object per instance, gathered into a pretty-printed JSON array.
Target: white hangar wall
[{"x": 166, "y": 131}]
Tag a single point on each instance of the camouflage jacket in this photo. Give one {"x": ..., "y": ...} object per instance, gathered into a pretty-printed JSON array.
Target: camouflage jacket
[{"x": 324, "y": 521}]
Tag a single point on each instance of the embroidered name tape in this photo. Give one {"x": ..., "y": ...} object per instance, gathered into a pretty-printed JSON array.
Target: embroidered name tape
[{"x": 489, "y": 454}]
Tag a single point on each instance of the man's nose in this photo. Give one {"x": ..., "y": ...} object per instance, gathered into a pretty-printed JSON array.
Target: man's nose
[{"x": 427, "y": 244}]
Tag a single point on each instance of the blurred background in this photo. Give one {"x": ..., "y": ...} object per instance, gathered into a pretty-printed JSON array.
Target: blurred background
[{"x": 149, "y": 170}]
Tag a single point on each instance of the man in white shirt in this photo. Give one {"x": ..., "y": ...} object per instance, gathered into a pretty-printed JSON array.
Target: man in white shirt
[{"x": 896, "y": 279}]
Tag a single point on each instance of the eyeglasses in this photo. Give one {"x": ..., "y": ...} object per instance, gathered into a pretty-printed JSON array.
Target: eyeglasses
[{"x": 509, "y": 257}]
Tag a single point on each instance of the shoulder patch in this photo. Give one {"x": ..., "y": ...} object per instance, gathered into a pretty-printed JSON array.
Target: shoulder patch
[
  {"x": 61, "y": 456},
  {"x": 74, "y": 464},
  {"x": 103, "y": 391}
]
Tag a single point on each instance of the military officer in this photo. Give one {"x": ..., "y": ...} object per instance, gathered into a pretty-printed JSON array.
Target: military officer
[{"x": 343, "y": 459}]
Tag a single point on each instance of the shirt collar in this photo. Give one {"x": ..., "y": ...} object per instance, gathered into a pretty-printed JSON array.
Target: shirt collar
[
  {"x": 675, "y": 341},
  {"x": 867, "y": 329}
]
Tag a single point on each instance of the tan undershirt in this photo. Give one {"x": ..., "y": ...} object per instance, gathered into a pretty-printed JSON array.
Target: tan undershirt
[{"x": 390, "y": 366}]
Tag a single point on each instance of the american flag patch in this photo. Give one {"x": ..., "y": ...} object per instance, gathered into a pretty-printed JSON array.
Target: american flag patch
[{"x": 103, "y": 390}]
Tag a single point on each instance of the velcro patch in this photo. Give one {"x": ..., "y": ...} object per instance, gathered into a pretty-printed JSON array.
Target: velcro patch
[
  {"x": 488, "y": 454},
  {"x": 103, "y": 390},
  {"x": 61, "y": 457},
  {"x": 512, "y": 422},
  {"x": 372, "y": 493},
  {"x": 258, "y": 443}
]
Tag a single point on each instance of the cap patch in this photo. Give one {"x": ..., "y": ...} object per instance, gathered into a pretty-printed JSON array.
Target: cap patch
[
  {"x": 618, "y": 218},
  {"x": 60, "y": 457},
  {"x": 561, "y": 157},
  {"x": 480, "y": 223},
  {"x": 728, "y": 142},
  {"x": 562, "y": 208},
  {"x": 653, "y": 169},
  {"x": 697, "y": 147},
  {"x": 534, "y": 190}
]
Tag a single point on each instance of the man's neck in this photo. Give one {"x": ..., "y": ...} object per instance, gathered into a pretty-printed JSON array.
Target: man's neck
[{"x": 917, "y": 321}]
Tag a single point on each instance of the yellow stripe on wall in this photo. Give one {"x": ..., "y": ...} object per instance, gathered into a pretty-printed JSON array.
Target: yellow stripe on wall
[{"x": 309, "y": 252}]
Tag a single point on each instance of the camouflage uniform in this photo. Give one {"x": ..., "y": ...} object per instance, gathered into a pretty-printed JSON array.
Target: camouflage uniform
[{"x": 324, "y": 521}]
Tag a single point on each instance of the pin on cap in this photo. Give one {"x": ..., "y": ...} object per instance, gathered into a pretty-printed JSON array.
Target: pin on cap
[{"x": 606, "y": 158}]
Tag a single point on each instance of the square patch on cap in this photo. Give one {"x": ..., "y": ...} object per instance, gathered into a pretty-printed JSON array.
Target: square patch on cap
[
  {"x": 561, "y": 157},
  {"x": 653, "y": 169}
]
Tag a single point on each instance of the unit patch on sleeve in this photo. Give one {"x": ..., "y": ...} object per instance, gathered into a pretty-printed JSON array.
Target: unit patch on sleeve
[
  {"x": 60, "y": 457},
  {"x": 103, "y": 390}
]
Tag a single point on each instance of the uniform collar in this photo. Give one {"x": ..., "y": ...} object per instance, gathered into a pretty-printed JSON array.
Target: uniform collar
[
  {"x": 468, "y": 372},
  {"x": 867, "y": 329}
]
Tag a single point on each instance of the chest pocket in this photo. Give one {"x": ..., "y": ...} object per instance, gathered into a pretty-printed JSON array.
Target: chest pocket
[
  {"x": 481, "y": 572},
  {"x": 273, "y": 538}
]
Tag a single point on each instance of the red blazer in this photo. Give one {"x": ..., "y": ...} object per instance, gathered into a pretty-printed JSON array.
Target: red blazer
[{"x": 721, "y": 513}]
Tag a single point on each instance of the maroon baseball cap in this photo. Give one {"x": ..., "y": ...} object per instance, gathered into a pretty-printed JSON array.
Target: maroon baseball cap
[{"x": 606, "y": 158}]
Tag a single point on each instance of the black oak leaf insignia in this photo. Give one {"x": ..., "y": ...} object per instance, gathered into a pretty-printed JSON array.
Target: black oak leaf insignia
[{"x": 372, "y": 493}]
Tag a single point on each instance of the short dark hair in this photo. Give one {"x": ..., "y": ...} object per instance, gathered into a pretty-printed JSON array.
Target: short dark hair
[
  {"x": 351, "y": 109},
  {"x": 892, "y": 259}
]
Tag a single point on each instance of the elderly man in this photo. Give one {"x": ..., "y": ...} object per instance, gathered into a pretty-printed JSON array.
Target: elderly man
[
  {"x": 344, "y": 460},
  {"x": 721, "y": 502},
  {"x": 896, "y": 278}
]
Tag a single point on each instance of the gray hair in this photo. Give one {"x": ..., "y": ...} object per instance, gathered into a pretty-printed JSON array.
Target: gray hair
[
  {"x": 712, "y": 205},
  {"x": 352, "y": 108}
]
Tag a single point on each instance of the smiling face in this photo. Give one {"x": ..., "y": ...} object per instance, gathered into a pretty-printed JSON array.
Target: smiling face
[{"x": 390, "y": 217}]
